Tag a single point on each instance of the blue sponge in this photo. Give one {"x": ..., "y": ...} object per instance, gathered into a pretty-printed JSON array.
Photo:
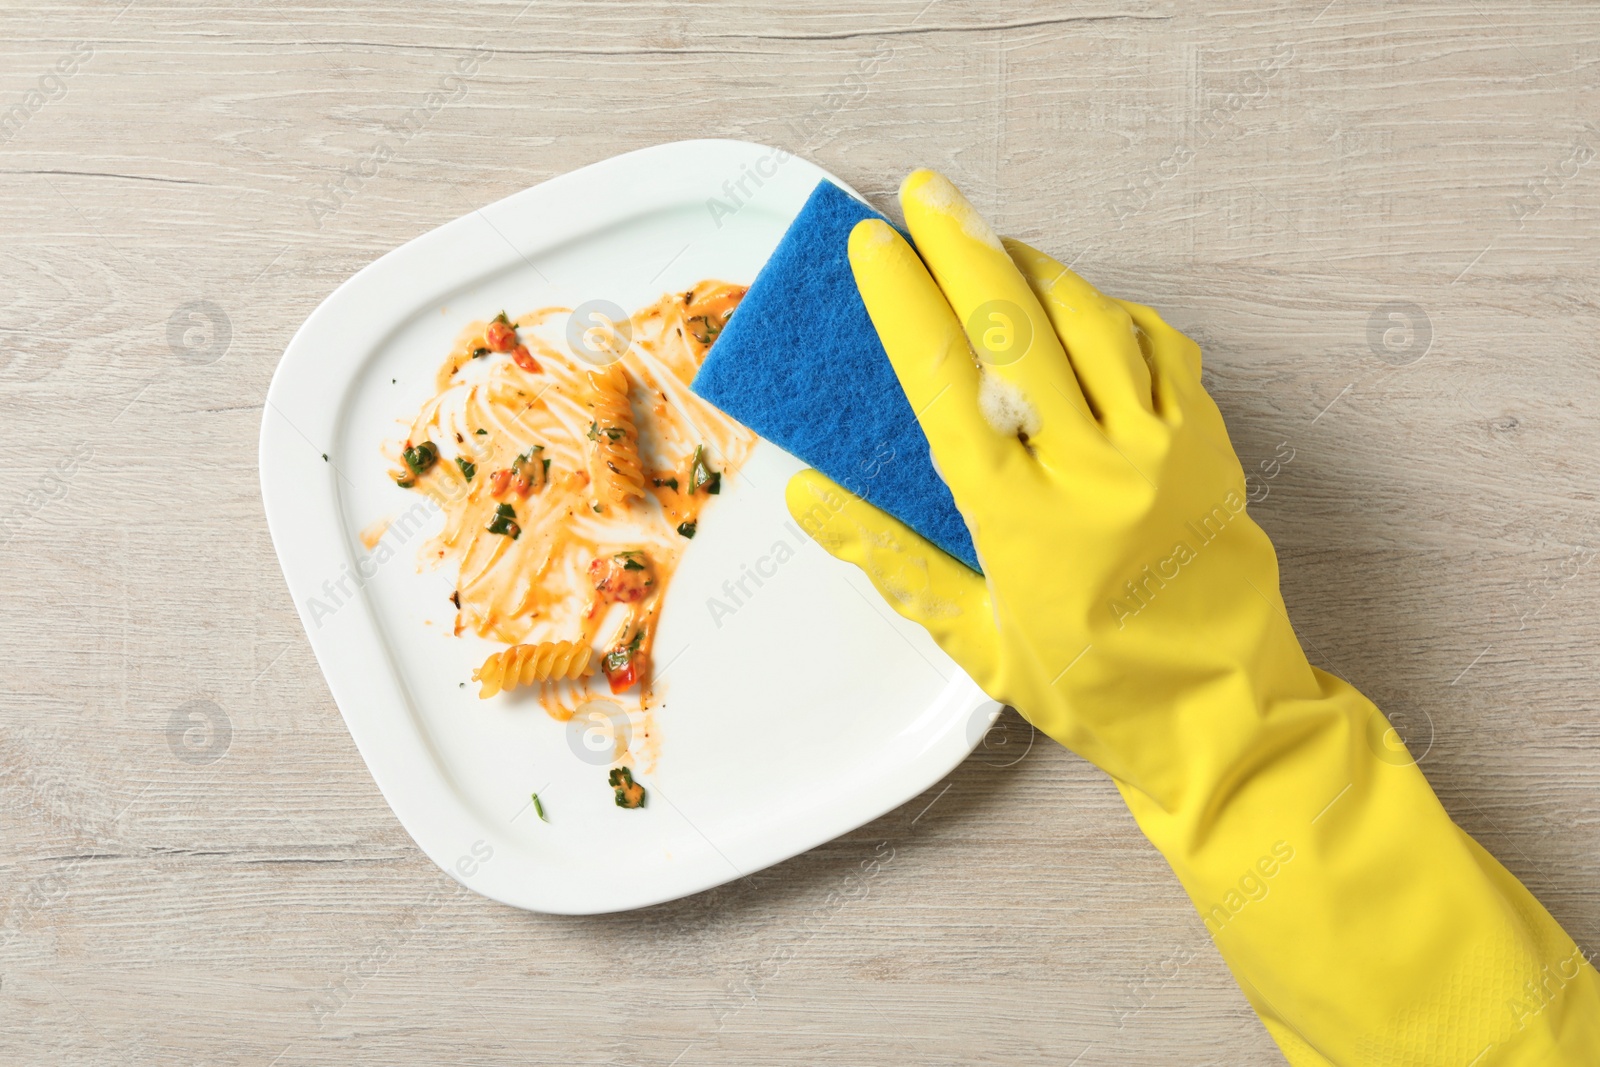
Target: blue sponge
[{"x": 801, "y": 365}]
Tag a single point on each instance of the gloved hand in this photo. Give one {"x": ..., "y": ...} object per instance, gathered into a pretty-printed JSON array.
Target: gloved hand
[{"x": 1129, "y": 608}]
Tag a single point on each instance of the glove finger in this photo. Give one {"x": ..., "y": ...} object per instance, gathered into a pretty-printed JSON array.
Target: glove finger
[
  {"x": 1098, "y": 334},
  {"x": 918, "y": 581},
  {"x": 930, "y": 357},
  {"x": 1008, "y": 330},
  {"x": 1174, "y": 358}
]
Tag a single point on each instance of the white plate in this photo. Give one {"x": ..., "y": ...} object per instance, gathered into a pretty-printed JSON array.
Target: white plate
[{"x": 808, "y": 712}]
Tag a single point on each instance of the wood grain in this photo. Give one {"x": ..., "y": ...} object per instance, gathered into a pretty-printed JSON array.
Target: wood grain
[{"x": 1270, "y": 175}]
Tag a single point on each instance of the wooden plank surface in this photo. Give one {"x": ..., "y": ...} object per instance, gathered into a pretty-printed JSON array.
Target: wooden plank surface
[{"x": 1276, "y": 177}]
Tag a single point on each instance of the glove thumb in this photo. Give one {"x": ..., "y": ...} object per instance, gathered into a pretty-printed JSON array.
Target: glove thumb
[{"x": 913, "y": 576}]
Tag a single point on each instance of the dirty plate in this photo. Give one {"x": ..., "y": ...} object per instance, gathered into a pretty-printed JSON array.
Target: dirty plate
[{"x": 792, "y": 713}]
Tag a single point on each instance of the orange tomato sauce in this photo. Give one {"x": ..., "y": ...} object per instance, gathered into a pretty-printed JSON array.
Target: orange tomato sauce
[{"x": 489, "y": 409}]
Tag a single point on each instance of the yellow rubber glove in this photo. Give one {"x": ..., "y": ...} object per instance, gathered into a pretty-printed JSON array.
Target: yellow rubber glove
[{"x": 1129, "y": 608}]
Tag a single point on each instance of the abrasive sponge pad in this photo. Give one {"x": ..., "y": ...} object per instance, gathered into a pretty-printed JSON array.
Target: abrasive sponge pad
[{"x": 800, "y": 364}]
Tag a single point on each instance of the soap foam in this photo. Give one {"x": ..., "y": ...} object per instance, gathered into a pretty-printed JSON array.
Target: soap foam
[
  {"x": 904, "y": 577},
  {"x": 1005, "y": 408},
  {"x": 938, "y": 194},
  {"x": 877, "y": 234}
]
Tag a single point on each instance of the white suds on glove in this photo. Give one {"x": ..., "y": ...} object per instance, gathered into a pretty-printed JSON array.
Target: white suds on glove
[
  {"x": 1004, "y": 407},
  {"x": 940, "y": 195}
]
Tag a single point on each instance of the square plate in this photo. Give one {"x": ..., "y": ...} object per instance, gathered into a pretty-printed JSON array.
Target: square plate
[{"x": 809, "y": 710}]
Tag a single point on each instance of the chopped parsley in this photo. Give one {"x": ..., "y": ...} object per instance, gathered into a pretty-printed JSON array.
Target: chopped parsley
[
  {"x": 420, "y": 457},
  {"x": 687, "y": 529},
  {"x": 709, "y": 328},
  {"x": 620, "y": 657},
  {"x": 505, "y": 522},
  {"x": 523, "y": 467},
  {"x": 468, "y": 468},
  {"x": 631, "y": 561},
  {"x": 480, "y": 430},
  {"x": 479, "y": 352},
  {"x": 670, "y": 483},
  {"x": 630, "y": 794},
  {"x": 701, "y": 475}
]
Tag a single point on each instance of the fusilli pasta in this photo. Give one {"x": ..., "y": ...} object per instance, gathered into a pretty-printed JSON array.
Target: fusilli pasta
[
  {"x": 615, "y": 469},
  {"x": 526, "y": 664}
]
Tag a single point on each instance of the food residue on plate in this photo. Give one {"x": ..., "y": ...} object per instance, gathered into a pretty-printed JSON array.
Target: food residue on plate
[
  {"x": 571, "y": 488},
  {"x": 630, "y": 794},
  {"x": 373, "y": 532}
]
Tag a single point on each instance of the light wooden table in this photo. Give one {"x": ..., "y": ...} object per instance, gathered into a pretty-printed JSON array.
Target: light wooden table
[{"x": 1379, "y": 219}]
